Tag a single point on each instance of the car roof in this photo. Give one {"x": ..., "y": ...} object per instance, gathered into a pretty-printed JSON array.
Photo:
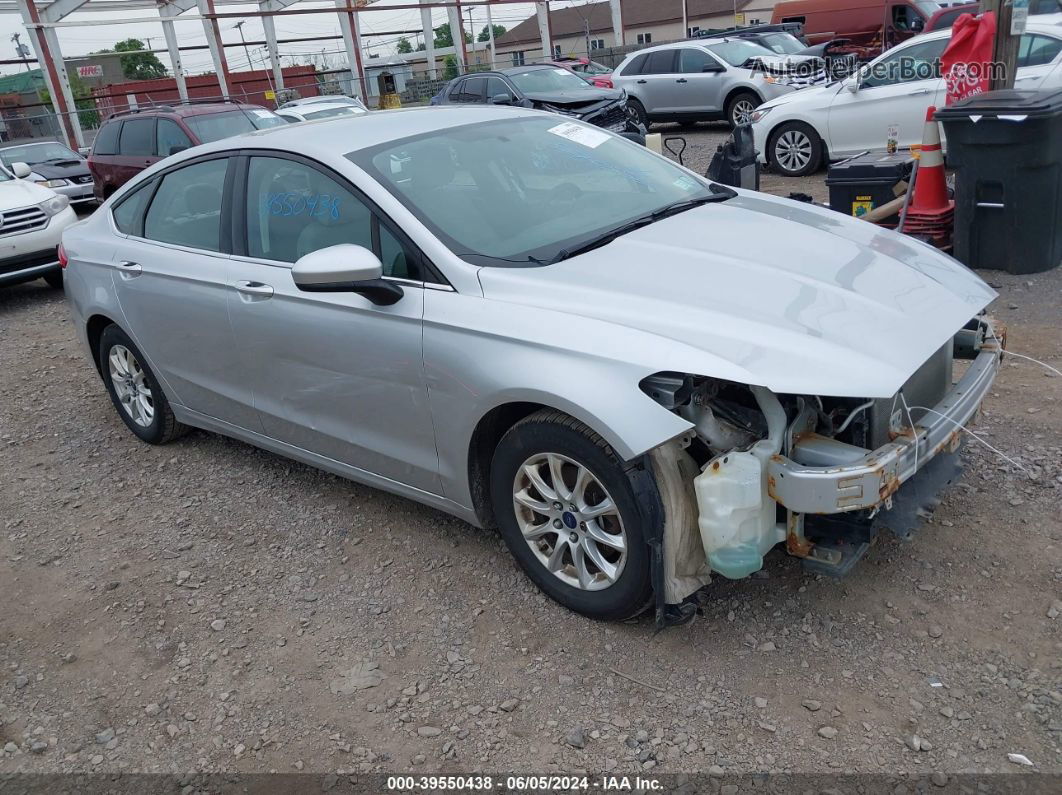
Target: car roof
[
  {"x": 531, "y": 67},
  {"x": 338, "y": 135},
  {"x": 190, "y": 109},
  {"x": 314, "y": 107}
]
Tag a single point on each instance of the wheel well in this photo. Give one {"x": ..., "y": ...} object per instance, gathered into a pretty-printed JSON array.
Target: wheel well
[
  {"x": 489, "y": 431},
  {"x": 94, "y": 330},
  {"x": 740, "y": 90},
  {"x": 108, "y": 191}
]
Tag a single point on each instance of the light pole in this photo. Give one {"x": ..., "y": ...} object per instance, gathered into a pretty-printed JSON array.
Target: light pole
[{"x": 239, "y": 26}]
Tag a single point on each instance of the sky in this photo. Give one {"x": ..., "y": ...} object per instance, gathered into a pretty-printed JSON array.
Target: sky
[{"x": 83, "y": 40}]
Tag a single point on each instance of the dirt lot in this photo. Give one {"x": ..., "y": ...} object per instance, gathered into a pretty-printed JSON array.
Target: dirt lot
[{"x": 206, "y": 606}]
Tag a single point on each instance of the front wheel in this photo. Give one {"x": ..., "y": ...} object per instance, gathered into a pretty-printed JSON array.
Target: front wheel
[
  {"x": 795, "y": 149},
  {"x": 636, "y": 113},
  {"x": 740, "y": 106},
  {"x": 568, "y": 513}
]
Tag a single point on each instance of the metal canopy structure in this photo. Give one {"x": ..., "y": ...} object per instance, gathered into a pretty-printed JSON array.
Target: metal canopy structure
[{"x": 43, "y": 19}]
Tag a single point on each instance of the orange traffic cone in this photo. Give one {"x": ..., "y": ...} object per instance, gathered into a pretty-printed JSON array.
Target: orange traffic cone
[
  {"x": 931, "y": 188},
  {"x": 931, "y": 213}
]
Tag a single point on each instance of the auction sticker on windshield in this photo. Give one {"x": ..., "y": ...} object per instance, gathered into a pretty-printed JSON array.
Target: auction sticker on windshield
[{"x": 580, "y": 134}]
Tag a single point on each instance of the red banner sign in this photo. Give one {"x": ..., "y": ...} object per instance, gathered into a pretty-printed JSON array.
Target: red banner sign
[{"x": 966, "y": 61}]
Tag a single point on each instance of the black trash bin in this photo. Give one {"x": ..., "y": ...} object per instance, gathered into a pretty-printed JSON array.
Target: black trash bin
[
  {"x": 861, "y": 184},
  {"x": 734, "y": 162},
  {"x": 1006, "y": 149}
]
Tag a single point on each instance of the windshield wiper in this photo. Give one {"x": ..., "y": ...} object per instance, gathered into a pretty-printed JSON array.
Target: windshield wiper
[{"x": 720, "y": 193}]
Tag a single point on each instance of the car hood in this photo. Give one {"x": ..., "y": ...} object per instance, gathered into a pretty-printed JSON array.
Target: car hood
[
  {"x": 764, "y": 291},
  {"x": 22, "y": 193},
  {"x": 63, "y": 170},
  {"x": 577, "y": 100},
  {"x": 819, "y": 96}
]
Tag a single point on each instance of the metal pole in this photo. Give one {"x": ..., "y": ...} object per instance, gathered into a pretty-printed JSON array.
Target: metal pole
[
  {"x": 542, "y": 12},
  {"x": 54, "y": 73},
  {"x": 617, "y": 21},
  {"x": 685, "y": 20},
  {"x": 175, "y": 57},
  {"x": 1005, "y": 47},
  {"x": 213, "y": 37},
  {"x": 274, "y": 54},
  {"x": 429, "y": 40},
  {"x": 348, "y": 23},
  {"x": 453, "y": 15},
  {"x": 490, "y": 38},
  {"x": 247, "y": 53}
]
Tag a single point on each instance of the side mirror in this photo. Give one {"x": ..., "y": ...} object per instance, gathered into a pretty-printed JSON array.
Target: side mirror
[
  {"x": 345, "y": 268},
  {"x": 21, "y": 170},
  {"x": 711, "y": 67},
  {"x": 501, "y": 99},
  {"x": 852, "y": 84}
]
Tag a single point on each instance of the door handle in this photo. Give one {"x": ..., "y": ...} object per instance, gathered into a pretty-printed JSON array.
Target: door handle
[
  {"x": 919, "y": 92},
  {"x": 682, "y": 80},
  {"x": 129, "y": 269},
  {"x": 643, "y": 81},
  {"x": 255, "y": 288}
]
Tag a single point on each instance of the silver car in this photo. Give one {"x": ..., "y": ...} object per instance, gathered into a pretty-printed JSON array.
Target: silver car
[
  {"x": 534, "y": 324},
  {"x": 695, "y": 81}
]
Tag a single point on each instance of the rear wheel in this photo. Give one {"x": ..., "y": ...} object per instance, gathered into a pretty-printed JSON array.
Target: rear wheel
[
  {"x": 795, "y": 149},
  {"x": 740, "y": 106},
  {"x": 570, "y": 517},
  {"x": 134, "y": 390}
]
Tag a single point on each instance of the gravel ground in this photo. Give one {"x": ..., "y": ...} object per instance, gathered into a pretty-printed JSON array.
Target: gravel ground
[{"x": 206, "y": 606}]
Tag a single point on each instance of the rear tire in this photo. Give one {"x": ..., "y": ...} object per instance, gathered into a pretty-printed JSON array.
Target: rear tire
[
  {"x": 794, "y": 149},
  {"x": 54, "y": 279},
  {"x": 636, "y": 112},
  {"x": 135, "y": 391},
  {"x": 590, "y": 553}
]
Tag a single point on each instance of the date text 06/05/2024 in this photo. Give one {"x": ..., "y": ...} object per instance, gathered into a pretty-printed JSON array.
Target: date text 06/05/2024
[{"x": 514, "y": 784}]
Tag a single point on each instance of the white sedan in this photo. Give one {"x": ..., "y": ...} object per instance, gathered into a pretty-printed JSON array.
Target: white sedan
[
  {"x": 320, "y": 110},
  {"x": 797, "y": 132}
]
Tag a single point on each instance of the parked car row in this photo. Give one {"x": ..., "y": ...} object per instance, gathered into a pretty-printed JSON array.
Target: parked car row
[{"x": 796, "y": 133}]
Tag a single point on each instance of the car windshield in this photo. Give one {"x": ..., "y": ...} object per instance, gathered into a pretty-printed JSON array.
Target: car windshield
[
  {"x": 215, "y": 126},
  {"x": 544, "y": 81},
  {"x": 927, "y": 7},
  {"x": 737, "y": 52},
  {"x": 521, "y": 191},
  {"x": 32, "y": 154},
  {"x": 782, "y": 43},
  {"x": 346, "y": 110}
]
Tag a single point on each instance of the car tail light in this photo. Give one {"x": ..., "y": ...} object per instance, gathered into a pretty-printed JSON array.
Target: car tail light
[
  {"x": 603, "y": 82},
  {"x": 62, "y": 256}
]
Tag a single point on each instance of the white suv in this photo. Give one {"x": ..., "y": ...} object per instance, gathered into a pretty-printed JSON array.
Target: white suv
[{"x": 32, "y": 220}]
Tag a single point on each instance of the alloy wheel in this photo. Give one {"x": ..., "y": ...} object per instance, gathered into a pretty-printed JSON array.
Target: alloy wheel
[
  {"x": 792, "y": 150},
  {"x": 570, "y": 521},
  {"x": 131, "y": 386},
  {"x": 741, "y": 113}
]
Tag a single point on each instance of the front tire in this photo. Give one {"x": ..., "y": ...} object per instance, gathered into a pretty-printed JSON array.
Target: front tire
[
  {"x": 134, "y": 390},
  {"x": 795, "y": 149},
  {"x": 569, "y": 514},
  {"x": 740, "y": 106},
  {"x": 636, "y": 113}
]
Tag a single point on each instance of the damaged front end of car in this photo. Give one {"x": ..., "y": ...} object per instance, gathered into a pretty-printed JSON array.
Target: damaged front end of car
[{"x": 823, "y": 475}]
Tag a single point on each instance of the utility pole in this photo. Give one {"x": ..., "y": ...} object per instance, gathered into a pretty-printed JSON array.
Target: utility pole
[
  {"x": 21, "y": 50},
  {"x": 239, "y": 26},
  {"x": 1009, "y": 27}
]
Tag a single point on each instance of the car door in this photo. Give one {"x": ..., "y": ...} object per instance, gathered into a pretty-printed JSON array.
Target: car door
[
  {"x": 333, "y": 373},
  {"x": 699, "y": 82},
  {"x": 655, "y": 85},
  {"x": 136, "y": 148},
  {"x": 172, "y": 277},
  {"x": 895, "y": 89},
  {"x": 1038, "y": 62}
]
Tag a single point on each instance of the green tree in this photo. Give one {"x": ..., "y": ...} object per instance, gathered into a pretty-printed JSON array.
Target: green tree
[
  {"x": 450, "y": 71},
  {"x": 138, "y": 65},
  {"x": 404, "y": 45},
  {"x": 444, "y": 38},
  {"x": 484, "y": 35},
  {"x": 86, "y": 106}
]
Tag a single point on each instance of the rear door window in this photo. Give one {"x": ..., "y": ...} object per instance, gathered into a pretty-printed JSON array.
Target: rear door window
[
  {"x": 661, "y": 62},
  {"x": 106, "y": 142},
  {"x": 1035, "y": 50},
  {"x": 186, "y": 210},
  {"x": 635, "y": 67},
  {"x": 137, "y": 138},
  {"x": 129, "y": 214},
  {"x": 170, "y": 138}
]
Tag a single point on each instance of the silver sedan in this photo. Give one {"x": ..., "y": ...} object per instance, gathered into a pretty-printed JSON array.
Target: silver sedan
[{"x": 640, "y": 377}]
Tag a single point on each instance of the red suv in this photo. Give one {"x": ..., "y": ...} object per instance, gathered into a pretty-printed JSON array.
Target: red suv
[{"x": 129, "y": 142}]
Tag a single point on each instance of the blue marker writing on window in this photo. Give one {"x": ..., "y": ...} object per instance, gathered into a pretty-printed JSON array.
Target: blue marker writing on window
[{"x": 314, "y": 205}]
